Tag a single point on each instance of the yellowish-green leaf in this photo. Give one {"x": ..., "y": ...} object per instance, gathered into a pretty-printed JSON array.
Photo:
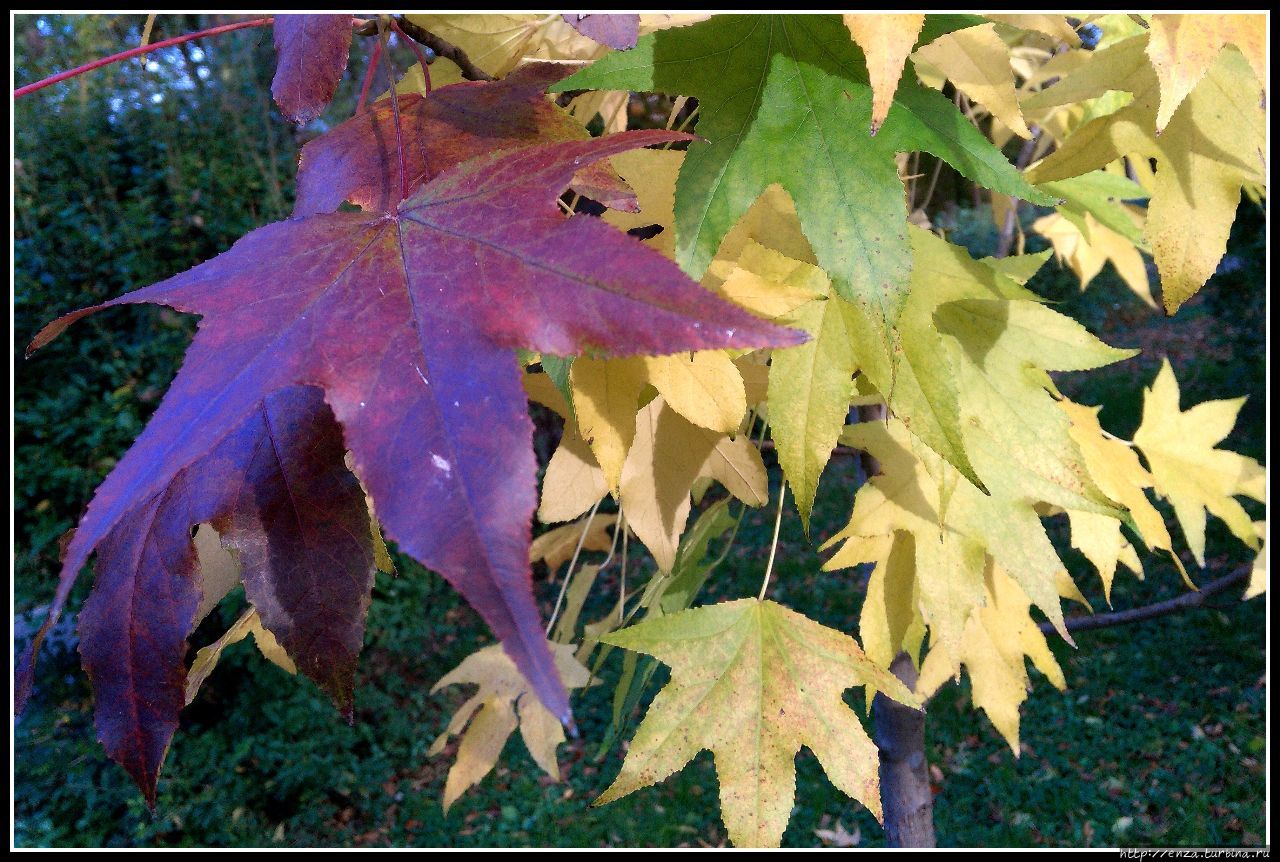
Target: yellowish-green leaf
[
  {"x": 908, "y": 496},
  {"x": 502, "y": 701},
  {"x": 753, "y": 682},
  {"x": 886, "y": 41},
  {"x": 1183, "y": 47},
  {"x": 810, "y": 386},
  {"x": 1019, "y": 267},
  {"x": 1189, "y": 470}
]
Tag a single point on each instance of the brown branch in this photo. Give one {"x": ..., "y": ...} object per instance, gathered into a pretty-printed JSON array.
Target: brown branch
[
  {"x": 1158, "y": 609},
  {"x": 443, "y": 48},
  {"x": 1011, "y": 217}
]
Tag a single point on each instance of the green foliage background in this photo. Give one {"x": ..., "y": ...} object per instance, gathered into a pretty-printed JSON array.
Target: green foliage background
[{"x": 1159, "y": 740}]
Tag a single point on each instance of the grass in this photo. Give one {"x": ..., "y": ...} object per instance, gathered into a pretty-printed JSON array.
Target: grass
[{"x": 1159, "y": 740}]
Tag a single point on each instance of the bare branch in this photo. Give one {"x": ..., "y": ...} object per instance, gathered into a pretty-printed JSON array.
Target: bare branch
[
  {"x": 1158, "y": 609},
  {"x": 443, "y": 48}
]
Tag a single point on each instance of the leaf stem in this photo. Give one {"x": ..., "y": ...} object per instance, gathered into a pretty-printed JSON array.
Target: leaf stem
[
  {"x": 568, "y": 575},
  {"x": 383, "y": 30},
  {"x": 773, "y": 548},
  {"x": 417, "y": 50},
  {"x": 368, "y": 76},
  {"x": 138, "y": 51}
]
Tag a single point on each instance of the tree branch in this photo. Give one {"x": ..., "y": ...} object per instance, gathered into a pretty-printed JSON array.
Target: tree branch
[
  {"x": 137, "y": 52},
  {"x": 1158, "y": 609},
  {"x": 443, "y": 48},
  {"x": 1007, "y": 231}
]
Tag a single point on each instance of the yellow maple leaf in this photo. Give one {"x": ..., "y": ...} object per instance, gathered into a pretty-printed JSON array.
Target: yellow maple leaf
[
  {"x": 1188, "y": 469},
  {"x": 1183, "y": 47},
  {"x": 556, "y": 546},
  {"x": 753, "y": 682},
  {"x": 502, "y": 701},
  {"x": 668, "y": 456},
  {"x": 948, "y": 544},
  {"x": 886, "y": 41},
  {"x": 977, "y": 61},
  {"x": 997, "y": 640},
  {"x": 1087, "y": 251}
]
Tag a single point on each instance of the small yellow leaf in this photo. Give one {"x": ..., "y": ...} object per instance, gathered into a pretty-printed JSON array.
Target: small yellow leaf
[
  {"x": 219, "y": 570},
  {"x": 886, "y": 40},
  {"x": 606, "y": 393},
  {"x": 503, "y": 701},
  {"x": 1187, "y": 468},
  {"x": 573, "y": 482},
  {"x": 703, "y": 387},
  {"x": 652, "y": 175},
  {"x": 555, "y": 547},
  {"x": 977, "y": 61},
  {"x": 668, "y": 455},
  {"x": 247, "y": 624}
]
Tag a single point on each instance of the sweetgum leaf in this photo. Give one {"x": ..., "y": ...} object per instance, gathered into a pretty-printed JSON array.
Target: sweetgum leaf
[
  {"x": 277, "y": 489},
  {"x": 313, "y": 52},
  {"x": 409, "y": 321},
  {"x": 357, "y": 161}
]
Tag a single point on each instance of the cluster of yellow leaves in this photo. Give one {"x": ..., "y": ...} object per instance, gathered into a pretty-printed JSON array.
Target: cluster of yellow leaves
[
  {"x": 1196, "y": 108},
  {"x": 502, "y": 701},
  {"x": 965, "y": 568}
]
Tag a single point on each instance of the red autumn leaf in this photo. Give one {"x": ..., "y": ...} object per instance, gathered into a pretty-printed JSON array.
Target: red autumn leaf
[
  {"x": 357, "y": 161},
  {"x": 409, "y": 322},
  {"x": 278, "y": 491},
  {"x": 616, "y": 31},
  {"x": 312, "y": 52}
]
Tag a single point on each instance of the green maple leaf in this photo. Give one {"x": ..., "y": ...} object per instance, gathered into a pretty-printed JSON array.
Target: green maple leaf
[{"x": 785, "y": 99}]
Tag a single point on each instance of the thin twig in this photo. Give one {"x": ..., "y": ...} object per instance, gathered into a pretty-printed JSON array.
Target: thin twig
[
  {"x": 444, "y": 48},
  {"x": 136, "y": 52},
  {"x": 568, "y": 575},
  {"x": 1158, "y": 609},
  {"x": 1028, "y": 150}
]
